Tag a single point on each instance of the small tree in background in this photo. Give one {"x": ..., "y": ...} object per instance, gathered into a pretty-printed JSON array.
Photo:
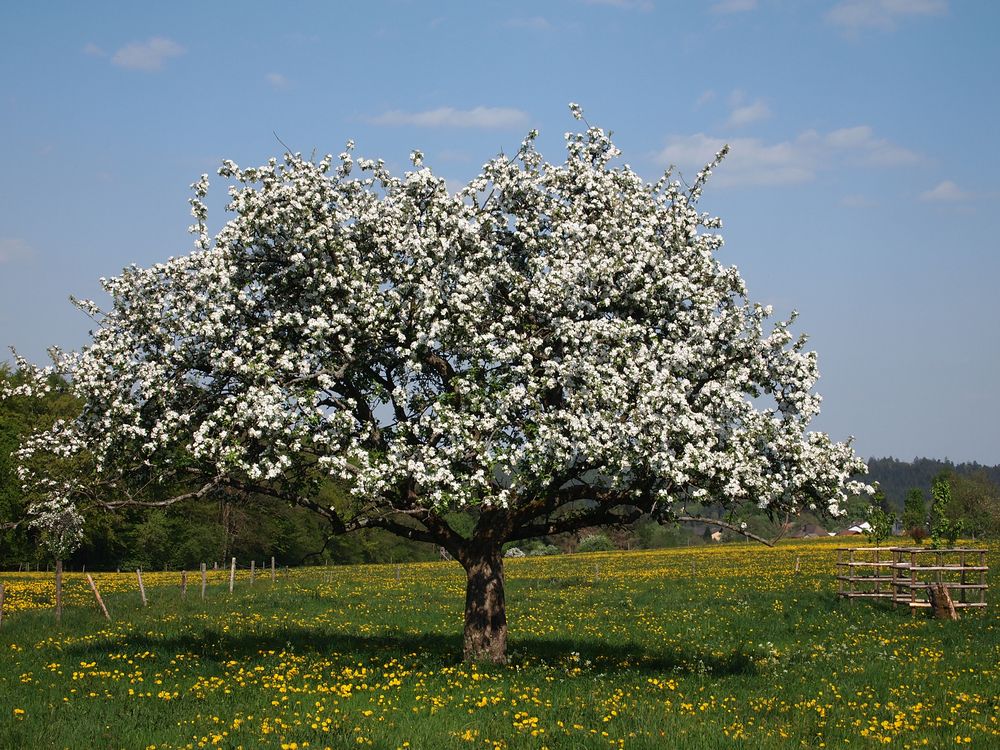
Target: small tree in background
[
  {"x": 61, "y": 526},
  {"x": 915, "y": 515},
  {"x": 944, "y": 529},
  {"x": 880, "y": 523}
]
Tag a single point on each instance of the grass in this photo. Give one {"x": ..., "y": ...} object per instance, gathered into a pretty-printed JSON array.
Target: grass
[{"x": 626, "y": 650}]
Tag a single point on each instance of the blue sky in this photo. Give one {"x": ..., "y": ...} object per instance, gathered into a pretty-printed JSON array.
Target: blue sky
[{"x": 861, "y": 190}]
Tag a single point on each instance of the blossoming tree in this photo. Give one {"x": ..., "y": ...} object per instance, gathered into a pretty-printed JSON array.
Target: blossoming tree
[{"x": 556, "y": 346}]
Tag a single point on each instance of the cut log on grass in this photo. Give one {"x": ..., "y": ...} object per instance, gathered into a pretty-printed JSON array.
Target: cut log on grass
[{"x": 941, "y": 604}]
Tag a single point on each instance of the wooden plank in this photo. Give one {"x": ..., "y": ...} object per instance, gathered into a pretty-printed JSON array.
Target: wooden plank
[
  {"x": 867, "y": 595},
  {"x": 97, "y": 595},
  {"x": 925, "y": 584}
]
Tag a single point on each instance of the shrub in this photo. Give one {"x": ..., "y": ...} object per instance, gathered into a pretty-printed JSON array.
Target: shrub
[
  {"x": 544, "y": 550},
  {"x": 917, "y": 534},
  {"x": 595, "y": 543}
]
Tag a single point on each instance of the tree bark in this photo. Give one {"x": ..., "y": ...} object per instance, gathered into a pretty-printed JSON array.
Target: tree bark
[
  {"x": 485, "y": 608},
  {"x": 941, "y": 602}
]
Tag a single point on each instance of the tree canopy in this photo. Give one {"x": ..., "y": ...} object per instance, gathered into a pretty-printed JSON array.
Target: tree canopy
[{"x": 553, "y": 347}]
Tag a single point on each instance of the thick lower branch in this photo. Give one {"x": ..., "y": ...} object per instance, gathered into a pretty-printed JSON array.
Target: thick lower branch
[
  {"x": 600, "y": 516},
  {"x": 397, "y": 528}
]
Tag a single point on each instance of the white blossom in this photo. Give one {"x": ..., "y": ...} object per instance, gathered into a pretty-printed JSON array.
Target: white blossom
[{"x": 547, "y": 326}]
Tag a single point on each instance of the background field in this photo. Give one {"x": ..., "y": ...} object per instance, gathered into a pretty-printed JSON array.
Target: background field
[{"x": 704, "y": 647}]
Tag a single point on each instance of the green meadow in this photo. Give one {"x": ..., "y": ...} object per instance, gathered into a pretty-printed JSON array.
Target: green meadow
[{"x": 704, "y": 647}]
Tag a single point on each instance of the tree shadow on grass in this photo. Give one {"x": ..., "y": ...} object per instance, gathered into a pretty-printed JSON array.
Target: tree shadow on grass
[{"x": 425, "y": 650}]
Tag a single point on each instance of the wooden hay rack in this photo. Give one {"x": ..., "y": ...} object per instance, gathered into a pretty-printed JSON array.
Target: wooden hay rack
[{"x": 914, "y": 577}]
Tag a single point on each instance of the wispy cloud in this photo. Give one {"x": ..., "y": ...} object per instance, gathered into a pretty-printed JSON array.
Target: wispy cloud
[
  {"x": 855, "y": 15},
  {"x": 276, "y": 80},
  {"x": 13, "y": 249},
  {"x": 93, "y": 50},
  {"x": 534, "y": 23},
  {"x": 752, "y": 161},
  {"x": 748, "y": 113},
  {"x": 149, "y": 55},
  {"x": 945, "y": 191},
  {"x": 856, "y": 200},
  {"x": 725, "y": 7},
  {"x": 705, "y": 98},
  {"x": 449, "y": 117},
  {"x": 645, "y": 5}
]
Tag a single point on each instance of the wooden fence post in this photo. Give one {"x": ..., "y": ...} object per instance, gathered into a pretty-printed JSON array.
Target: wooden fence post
[
  {"x": 1, "y": 602},
  {"x": 272, "y": 568},
  {"x": 203, "y": 581},
  {"x": 59, "y": 572},
  {"x": 232, "y": 575},
  {"x": 97, "y": 595},
  {"x": 184, "y": 584},
  {"x": 253, "y": 569},
  {"x": 142, "y": 589}
]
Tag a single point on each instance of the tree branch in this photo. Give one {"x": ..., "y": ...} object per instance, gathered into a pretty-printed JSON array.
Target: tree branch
[
  {"x": 195, "y": 495},
  {"x": 399, "y": 529},
  {"x": 600, "y": 516},
  {"x": 729, "y": 526}
]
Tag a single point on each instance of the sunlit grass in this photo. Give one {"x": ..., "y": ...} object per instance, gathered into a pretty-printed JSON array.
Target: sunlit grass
[{"x": 693, "y": 648}]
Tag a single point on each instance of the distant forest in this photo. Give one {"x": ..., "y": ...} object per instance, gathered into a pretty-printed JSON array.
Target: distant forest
[{"x": 896, "y": 478}]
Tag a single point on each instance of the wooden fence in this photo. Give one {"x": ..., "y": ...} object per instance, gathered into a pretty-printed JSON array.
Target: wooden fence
[{"x": 909, "y": 576}]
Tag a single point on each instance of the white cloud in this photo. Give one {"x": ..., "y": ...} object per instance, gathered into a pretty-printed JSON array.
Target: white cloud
[
  {"x": 93, "y": 50},
  {"x": 854, "y": 15},
  {"x": 148, "y": 55},
  {"x": 725, "y": 7},
  {"x": 945, "y": 192},
  {"x": 534, "y": 23},
  {"x": 870, "y": 150},
  {"x": 13, "y": 249},
  {"x": 449, "y": 117},
  {"x": 751, "y": 161},
  {"x": 276, "y": 80},
  {"x": 705, "y": 98},
  {"x": 748, "y": 113}
]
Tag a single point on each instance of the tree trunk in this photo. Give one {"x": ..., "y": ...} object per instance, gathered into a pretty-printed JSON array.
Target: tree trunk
[{"x": 485, "y": 609}]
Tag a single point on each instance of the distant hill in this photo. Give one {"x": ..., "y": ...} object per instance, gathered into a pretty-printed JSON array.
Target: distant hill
[{"x": 896, "y": 477}]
